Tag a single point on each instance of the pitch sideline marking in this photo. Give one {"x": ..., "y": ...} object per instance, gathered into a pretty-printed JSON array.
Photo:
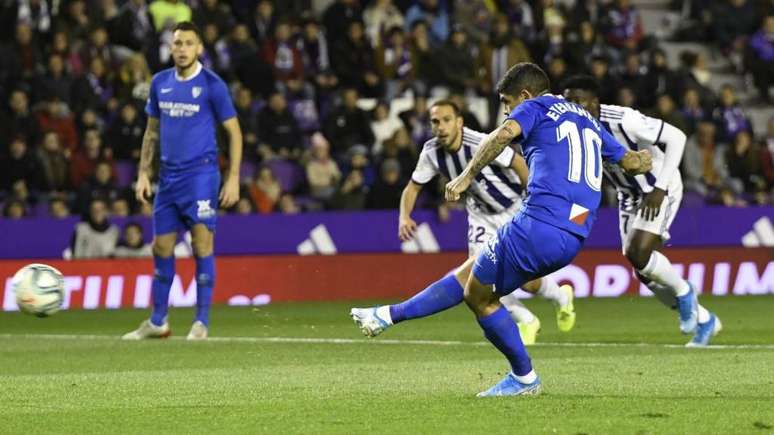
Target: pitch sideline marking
[{"x": 311, "y": 340}]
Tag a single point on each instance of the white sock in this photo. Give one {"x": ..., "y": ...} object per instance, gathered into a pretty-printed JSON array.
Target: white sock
[
  {"x": 528, "y": 378},
  {"x": 704, "y": 315},
  {"x": 519, "y": 312},
  {"x": 549, "y": 290},
  {"x": 660, "y": 270},
  {"x": 384, "y": 313}
]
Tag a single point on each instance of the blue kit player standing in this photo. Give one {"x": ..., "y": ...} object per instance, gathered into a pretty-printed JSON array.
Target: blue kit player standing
[
  {"x": 564, "y": 147},
  {"x": 184, "y": 105}
]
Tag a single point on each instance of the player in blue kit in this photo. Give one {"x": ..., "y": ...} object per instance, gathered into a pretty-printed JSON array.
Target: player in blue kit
[
  {"x": 184, "y": 107},
  {"x": 564, "y": 147}
]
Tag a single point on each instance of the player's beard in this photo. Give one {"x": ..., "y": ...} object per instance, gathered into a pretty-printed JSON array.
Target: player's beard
[{"x": 185, "y": 67}]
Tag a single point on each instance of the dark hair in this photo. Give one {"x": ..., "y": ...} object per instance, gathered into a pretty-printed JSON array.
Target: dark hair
[
  {"x": 447, "y": 102},
  {"x": 135, "y": 225},
  {"x": 524, "y": 76},
  {"x": 188, "y": 26},
  {"x": 583, "y": 82}
]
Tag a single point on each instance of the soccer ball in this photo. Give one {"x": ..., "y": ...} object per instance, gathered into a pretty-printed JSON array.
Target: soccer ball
[{"x": 39, "y": 289}]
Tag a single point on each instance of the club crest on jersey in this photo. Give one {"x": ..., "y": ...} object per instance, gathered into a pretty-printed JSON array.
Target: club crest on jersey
[
  {"x": 196, "y": 91},
  {"x": 204, "y": 210}
]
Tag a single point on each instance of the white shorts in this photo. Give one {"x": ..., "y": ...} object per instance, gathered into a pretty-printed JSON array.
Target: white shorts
[
  {"x": 630, "y": 220},
  {"x": 482, "y": 227}
]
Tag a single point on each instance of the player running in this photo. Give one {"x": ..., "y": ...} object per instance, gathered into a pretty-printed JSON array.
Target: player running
[
  {"x": 490, "y": 204},
  {"x": 564, "y": 147},
  {"x": 184, "y": 105},
  {"x": 648, "y": 204}
]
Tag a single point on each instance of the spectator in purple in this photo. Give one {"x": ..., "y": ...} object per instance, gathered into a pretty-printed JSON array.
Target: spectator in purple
[
  {"x": 338, "y": 16},
  {"x": 435, "y": 13},
  {"x": 94, "y": 89},
  {"x": 624, "y": 26},
  {"x": 729, "y": 116},
  {"x": 353, "y": 62},
  {"x": 19, "y": 164},
  {"x": 761, "y": 57},
  {"x": 278, "y": 132},
  {"x": 348, "y": 125},
  {"x": 767, "y": 154},
  {"x": 521, "y": 18}
]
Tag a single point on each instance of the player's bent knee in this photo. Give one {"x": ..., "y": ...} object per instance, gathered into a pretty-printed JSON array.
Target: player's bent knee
[
  {"x": 532, "y": 286},
  {"x": 637, "y": 256}
]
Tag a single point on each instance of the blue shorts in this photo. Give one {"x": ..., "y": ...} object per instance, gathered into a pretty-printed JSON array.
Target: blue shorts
[
  {"x": 184, "y": 200},
  {"x": 524, "y": 249}
]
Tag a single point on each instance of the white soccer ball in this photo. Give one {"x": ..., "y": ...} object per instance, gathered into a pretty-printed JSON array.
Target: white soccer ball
[{"x": 39, "y": 289}]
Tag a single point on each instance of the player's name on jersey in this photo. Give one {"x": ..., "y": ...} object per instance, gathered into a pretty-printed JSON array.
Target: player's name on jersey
[{"x": 557, "y": 109}]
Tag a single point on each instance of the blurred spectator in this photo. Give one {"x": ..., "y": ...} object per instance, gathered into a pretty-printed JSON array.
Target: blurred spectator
[
  {"x": 167, "y": 13},
  {"x": 132, "y": 27},
  {"x": 475, "y": 17},
  {"x": 386, "y": 192},
  {"x": 417, "y": 120},
  {"x": 666, "y": 111},
  {"x": 36, "y": 13},
  {"x": 314, "y": 48},
  {"x": 265, "y": 191},
  {"x": 729, "y": 116},
  {"x": 280, "y": 52},
  {"x": 98, "y": 46},
  {"x": 278, "y": 132},
  {"x": 469, "y": 118},
  {"x": 76, "y": 21},
  {"x": 732, "y": 21},
  {"x": 551, "y": 44},
  {"x": 379, "y": 17},
  {"x": 54, "y": 116},
  {"x": 383, "y": 125},
  {"x": 503, "y": 50},
  {"x": 95, "y": 237},
  {"x": 761, "y": 57},
  {"x": 125, "y": 135},
  {"x": 744, "y": 165},
  {"x": 393, "y": 62},
  {"x": 352, "y": 59},
  {"x": 132, "y": 243},
  {"x": 100, "y": 186},
  {"x": 767, "y": 153},
  {"x": 587, "y": 45},
  {"x": 134, "y": 79},
  {"x": 358, "y": 160},
  {"x": 695, "y": 74},
  {"x": 18, "y": 120},
  {"x": 53, "y": 163},
  {"x": 264, "y": 21},
  {"x": 60, "y": 45},
  {"x": 557, "y": 73},
  {"x": 426, "y": 59},
  {"x": 85, "y": 160},
  {"x": 624, "y": 26},
  {"x": 459, "y": 66},
  {"x": 400, "y": 148},
  {"x": 94, "y": 89},
  {"x": 632, "y": 75},
  {"x": 626, "y": 97},
  {"x": 433, "y": 12},
  {"x": 521, "y": 18},
  {"x": 25, "y": 55},
  {"x": 120, "y": 208},
  {"x": 240, "y": 56},
  {"x": 287, "y": 204},
  {"x": 322, "y": 172},
  {"x": 351, "y": 194},
  {"x": 57, "y": 208},
  {"x": 247, "y": 116},
  {"x": 244, "y": 207},
  {"x": 215, "y": 12},
  {"x": 89, "y": 120},
  {"x": 55, "y": 80},
  {"x": 658, "y": 79},
  {"x": 348, "y": 125},
  {"x": 692, "y": 110},
  {"x": 338, "y": 16},
  {"x": 20, "y": 191},
  {"x": 14, "y": 209},
  {"x": 20, "y": 164},
  {"x": 704, "y": 169},
  {"x": 600, "y": 70}
]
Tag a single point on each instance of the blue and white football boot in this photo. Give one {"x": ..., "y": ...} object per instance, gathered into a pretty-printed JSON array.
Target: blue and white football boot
[
  {"x": 705, "y": 331},
  {"x": 509, "y": 386},
  {"x": 368, "y": 321},
  {"x": 688, "y": 308}
]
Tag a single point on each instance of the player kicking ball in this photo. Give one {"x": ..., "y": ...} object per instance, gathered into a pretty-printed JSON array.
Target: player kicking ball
[
  {"x": 648, "y": 204},
  {"x": 184, "y": 105},
  {"x": 491, "y": 203}
]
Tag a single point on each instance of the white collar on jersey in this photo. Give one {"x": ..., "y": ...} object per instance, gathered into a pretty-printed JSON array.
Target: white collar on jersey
[{"x": 195, "y": 73}]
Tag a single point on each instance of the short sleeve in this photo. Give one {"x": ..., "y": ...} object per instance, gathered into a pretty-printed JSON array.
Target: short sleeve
[
  {"x": 152, "y": 105},
  {"x": 642, "y": 129},
  {"x": 505, "y": 158},
  {"x": 612, "y": 150},
  {"x": 527, "y": 115},
  {"x": 425, "y": 169},
  {"x": 221, "y": 101}
]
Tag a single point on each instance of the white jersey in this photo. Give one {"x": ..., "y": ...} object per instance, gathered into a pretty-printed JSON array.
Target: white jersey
[
  {"x": 497, "y": 188},
  {"x": 634, "y": 131}
]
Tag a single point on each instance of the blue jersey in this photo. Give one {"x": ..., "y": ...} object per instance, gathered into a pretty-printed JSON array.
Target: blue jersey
[
  {"x": 188, "y": 111},
  {"x": 564, "y": 146}
]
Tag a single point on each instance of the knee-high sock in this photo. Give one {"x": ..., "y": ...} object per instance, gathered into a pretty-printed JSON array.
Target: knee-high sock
[
  {"x": 500, "y": 330},
  {"x": 660, "y": 270},
  {"x": 438, "y": 296},
  {"x": 666, "y": 296},
  {"x": 549, "y": 290},
  {"x": 520, "y": 313},
  {"x": 163, "y": 275},
  {"x": 205, "y": 280}
]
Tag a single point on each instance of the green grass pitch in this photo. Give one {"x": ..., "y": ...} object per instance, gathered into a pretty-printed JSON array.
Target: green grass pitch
[{"x": 615, "y": 373}]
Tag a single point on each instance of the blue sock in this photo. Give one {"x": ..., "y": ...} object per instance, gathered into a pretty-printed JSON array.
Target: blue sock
[
  {"x": 500, "y": 330},
  {"x": 440, "y": 295},
  {"x": 163, "y": 275},
  {"x": 205, "y": 280}
]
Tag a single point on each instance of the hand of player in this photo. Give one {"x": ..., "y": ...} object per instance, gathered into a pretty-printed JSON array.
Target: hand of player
[
  {"x": 142, "y": 189},
  {"x": 651, "y": 205},
  {"x": 637, "y": 162},
  {"x": 229, "y": 195},
  {"x": 406, "y": 228},
  {"x": 455, "y": 187}
]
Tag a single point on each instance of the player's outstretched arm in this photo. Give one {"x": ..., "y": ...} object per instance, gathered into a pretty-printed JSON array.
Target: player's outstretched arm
[
  {"x": 408, "y": 199},
  {"x": 229, "y": 195},
  {"x": 490, "y": 148},
  {"x": 150, "y": 142}
]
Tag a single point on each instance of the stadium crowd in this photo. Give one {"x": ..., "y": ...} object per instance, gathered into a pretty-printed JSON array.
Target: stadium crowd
[{"x": 317, "y": 95}]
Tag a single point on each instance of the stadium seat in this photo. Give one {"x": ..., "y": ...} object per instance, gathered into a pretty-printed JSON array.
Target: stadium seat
[{"x": 125, "y": 173}]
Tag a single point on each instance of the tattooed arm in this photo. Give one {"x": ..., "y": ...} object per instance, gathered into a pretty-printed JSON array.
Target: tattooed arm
[
  {"x": 490, "y": 148},
  {"x": 150, "y": 142}
]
